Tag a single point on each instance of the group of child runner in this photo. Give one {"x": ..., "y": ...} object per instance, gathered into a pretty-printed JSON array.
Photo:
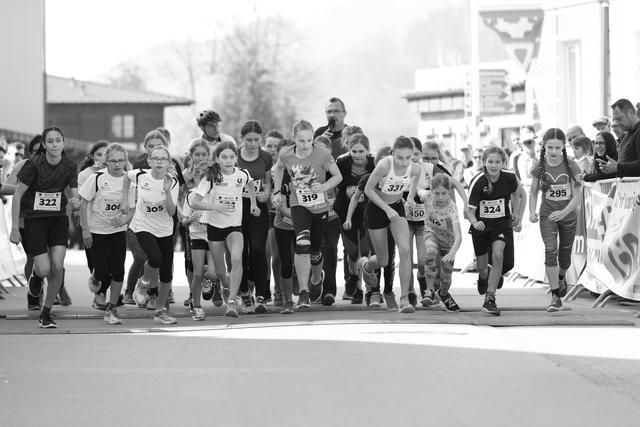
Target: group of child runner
[{"x": 271, "y": 206}]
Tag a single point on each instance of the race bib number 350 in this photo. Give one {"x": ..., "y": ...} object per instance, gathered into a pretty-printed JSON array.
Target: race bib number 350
[
  {"x": 49, "y": 202},
  {"x": 308, "y": 198},
  {"x": 492, "y": 208}
]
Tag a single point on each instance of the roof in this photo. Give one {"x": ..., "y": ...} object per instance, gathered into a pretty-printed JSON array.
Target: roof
[{"x": 62, "y": 90}]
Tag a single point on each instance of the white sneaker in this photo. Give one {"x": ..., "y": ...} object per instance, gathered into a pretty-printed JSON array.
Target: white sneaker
[
  {"x": 163, "y": 316},
  {"x": 376, "y": 300},
  {"x": 141, "y": 291},
  {"x": 198, "y": 314},
  {"x": 111, "y": 317},
  {"x": 405, "y": 306},
  {"x": 232, "y": 308}
]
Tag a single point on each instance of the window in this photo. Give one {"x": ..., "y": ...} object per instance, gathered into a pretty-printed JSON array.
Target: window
[
  {"x": 123, "y": 126},
  {"x": 572, "y": 81}
]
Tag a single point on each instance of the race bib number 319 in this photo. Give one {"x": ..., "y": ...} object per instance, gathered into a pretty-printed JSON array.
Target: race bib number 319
[
  {"x": 308, "y": 198},
  {"x": 49, "y": 202}
]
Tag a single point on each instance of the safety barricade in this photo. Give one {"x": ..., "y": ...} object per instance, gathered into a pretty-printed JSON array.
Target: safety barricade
[{"x": 12, "y": 257}]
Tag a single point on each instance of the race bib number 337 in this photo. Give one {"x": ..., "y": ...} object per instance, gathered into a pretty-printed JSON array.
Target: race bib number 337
[{"x": 49, "y": 202}]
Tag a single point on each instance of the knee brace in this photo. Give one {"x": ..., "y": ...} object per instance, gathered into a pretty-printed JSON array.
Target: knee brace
[
  {"x": 316, "y": 258},
  {"x": 551, "y": 258},
  {"x": 303, "y": 243}
]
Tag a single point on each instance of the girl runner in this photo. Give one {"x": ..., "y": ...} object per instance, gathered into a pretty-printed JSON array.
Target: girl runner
[
  {"x": 442, "y": 236},
  {"x": 391, "y": 177},
  {"x": 307, "y": 166},
  {"x": 104, "y": 227},
  {"x": 41, "y": 198},
  {"x": 220, "y": 195},
  {"x": 152, "y": 223},
  {"x": 255, "y": 229},
  {"x": 555, "y": 175},
  {"x": 493, "y": 223}
]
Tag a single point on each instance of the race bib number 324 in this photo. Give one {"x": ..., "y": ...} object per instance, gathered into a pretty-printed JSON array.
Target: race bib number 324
[{"x": 492, "y": 208}]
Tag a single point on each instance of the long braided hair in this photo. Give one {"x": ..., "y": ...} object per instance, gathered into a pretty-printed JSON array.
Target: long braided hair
[
  {"x": 485, "y": 154},
  {"x": 553, "y": 133},
  {"x": 213, "y": 172}
]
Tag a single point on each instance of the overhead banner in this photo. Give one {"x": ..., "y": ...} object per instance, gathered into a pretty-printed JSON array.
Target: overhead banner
[
  {"x": 620, "y": 244},
  {"x": 519, "y": 30}
]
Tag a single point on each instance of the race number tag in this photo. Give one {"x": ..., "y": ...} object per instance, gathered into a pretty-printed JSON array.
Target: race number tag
[
  {"x": 258, "y": 186},
  {"x": 111, "y": 206},
  {"x": 308, "y": 198},
  {"x": 417, "y": 213},
  {"x": 559, "y": 192},
  {"x": 223, "y": 200},
  {"x": 492, "y": 208},
  {"x": 152, "y": 208},
  {"x": 395, "y": 186},
  {"x": 49, "y": 202}
]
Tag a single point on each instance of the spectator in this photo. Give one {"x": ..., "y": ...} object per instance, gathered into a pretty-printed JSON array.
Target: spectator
[
  {"x": 616, "y": 128},
  {"x": 628, "y": 162},
  {"x": 601, "y": 124},
  {"x": 527, "y": 132},
  {"x": 477, "y": 167},
  {"x": 605, "y": 145},
  {"x": 573, "y": 132},
  {"x": 336, "y": 113},
  {"x": 583, "y": 151},
  {"x": 523, "y": 163},
  {"x": 468, "y": 159},
  {"x": 19, "y": 153}
]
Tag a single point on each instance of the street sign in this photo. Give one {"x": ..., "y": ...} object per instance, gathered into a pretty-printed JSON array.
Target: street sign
[{"x": 495, "y": 92}]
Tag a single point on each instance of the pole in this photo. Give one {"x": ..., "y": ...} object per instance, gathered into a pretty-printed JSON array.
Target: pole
[
  {"x": 475, "y": 73},
  {"x": 606, "y": 60}
]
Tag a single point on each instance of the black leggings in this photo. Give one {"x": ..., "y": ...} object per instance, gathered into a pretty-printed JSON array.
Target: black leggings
[
  {"x": 109, "y": 252},
  {"x": 254, "y": 258},
  {"x": 285, "y": 239},
  {"x": 159, "y": 251},
  {"x": 330, "y": 256}
]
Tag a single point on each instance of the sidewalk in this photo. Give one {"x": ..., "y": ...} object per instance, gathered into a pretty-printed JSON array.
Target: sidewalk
[{"x": 520, "y": 307}]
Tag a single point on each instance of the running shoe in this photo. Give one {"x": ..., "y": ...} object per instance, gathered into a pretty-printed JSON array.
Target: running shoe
[
  {"x": 315, "y": 290},
  {"x": 94, "y": 285},
  {"x": 288, "y": 308},
  {"x": 163, "y": 316},
  {"x": 555, "y": 305},
  {"x": 405, "y": 306},
  {"x": 247, "y": 304},
  {"x": 562, "y": 290},
  {"x": 413, "y": 299},
  {"x": 152, "y": 302},
  {"x": 140, "y": 293},
  {"x": 33, "y": 303},
  {"x": 328, "y": 300},
  {"x": 390, "y": 300},
  {"x": 357, "y": 297},
  {"x": 198, "y": 314},
  {"x": 111, "y": 317},
  {"x": 65, "y": 299},
  {"x": 120, "y": 302},
  {"x": 483, "y": 284},
  {"x": 171, "y": 299},
  {"x": 261, "y": 306},
  {"x": 188, "y": 301},
  {"x": 99, "y": 302},
  {"x": 45, "y": 321},
  {"x": 422, "y": 282},
  {"x": 376, "y": 299},
  {"x": 232, "y": 308},
  {"x": 207, "y": 289},
  {"x": 449, "y": 303},
  {"x": 370, "y": 278},
  {"x": 277, "y": 299},
  {"x": 429, "y": 298},
  {"x": 303, "y": 301},
  {"x": 350, "y": 286},
  {"x": 217, "y": 294},
  {"x": 128, "y": 299},
  {"x": 490, "y": 306}
]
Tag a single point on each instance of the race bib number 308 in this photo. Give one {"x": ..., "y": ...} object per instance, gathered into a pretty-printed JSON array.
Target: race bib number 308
[
  {"x": 49, "y": 202},
  {"x": 492, "y": 208}
]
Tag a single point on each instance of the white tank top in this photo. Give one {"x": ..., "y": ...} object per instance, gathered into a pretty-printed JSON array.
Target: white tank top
[{"x": 393, "y": 184}]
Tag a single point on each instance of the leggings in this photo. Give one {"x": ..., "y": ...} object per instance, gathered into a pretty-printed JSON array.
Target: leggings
[
  {"x": 254, "y": 258},
  {"x": 159, "y": 251},
  {"x": 330, "y": 255},
  {"x": 136, "y": 268},
  {"x": 109, "y": 252},
  {"x": 436, "y": 249},
  {"x": 285, "y": 239},
  {"x": 558, "y": 253}
]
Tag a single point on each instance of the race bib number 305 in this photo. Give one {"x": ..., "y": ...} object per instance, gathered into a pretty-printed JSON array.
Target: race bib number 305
[
  {"x": 308, "y": 198},
  {"x": 49, "y": 202},
  {"x": 152, "y": 209},
  {"x": 559, "y": 192},
  {"x": 492, "y": 208}
]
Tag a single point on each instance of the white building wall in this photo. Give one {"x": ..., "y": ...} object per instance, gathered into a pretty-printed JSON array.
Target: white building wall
[{"x": 625, "y": 50}]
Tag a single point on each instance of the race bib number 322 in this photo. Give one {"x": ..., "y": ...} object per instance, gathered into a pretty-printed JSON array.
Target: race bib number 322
[{"x": 49, "y": 202}]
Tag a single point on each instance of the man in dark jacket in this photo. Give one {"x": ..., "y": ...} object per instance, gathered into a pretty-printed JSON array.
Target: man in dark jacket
[{"x": 628, "y": 163}]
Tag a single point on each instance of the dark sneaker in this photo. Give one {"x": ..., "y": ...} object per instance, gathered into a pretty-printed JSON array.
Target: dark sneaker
[
  {"x": 390, "y": 300},
  {"x": 65, "y": 299},
  {"x": 261, "y": 305},
  {"x": 34, "y": 288},
  {"x": 207, "y": 289},
  {"x": 556, "y": 304},
  {"x": 350, "y": 286},
  {"x": 45, "y": 321},
  {"x": 120, "y": 302},
  {"x": 128, "y": 299},
  {"x": 287, "y": 308},
  {"x": 56, "y": 300},
  {"x": 247, "y": 304},
  {"x": 449, "y": 303},
  {"x": 429, "y": 298},
  {"x": 490, "y": 306},
  {"x": 413, "y": 299},
  {"x": 422, "y": 282},
  {"x": 303, "y": 301},
  {"x": 315, "y": 290},
  {"x": 562, "y": 290},
  {"x": 357, "y": 297},
  {"x": 483, "y": 284},
  {"x": 328, "y": 299},
  {"x": 33, "y": 303},
  {"x": 188, "y": 301},
  {"x": 216, "y": 299}
]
